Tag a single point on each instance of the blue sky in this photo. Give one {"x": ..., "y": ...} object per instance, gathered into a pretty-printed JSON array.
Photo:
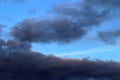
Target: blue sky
[{"x": 11, "y": 13}]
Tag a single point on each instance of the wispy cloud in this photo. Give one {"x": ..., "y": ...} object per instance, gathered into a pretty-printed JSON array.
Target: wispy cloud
[
  {"x": 14, "y": 1},
  {"x": 5, "y": 18},
  {"x": 32, "y": 11},
  {"x": 87, "y": 51}
]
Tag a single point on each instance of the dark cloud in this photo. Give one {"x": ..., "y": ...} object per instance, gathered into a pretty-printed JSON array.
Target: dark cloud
[
  {"x": 68, "y": 23},
  {"x": 17, "y": 45},
  {"x": 110, "y": 37},
  {"x": 11, "y": 46},
  {"x": 51, "y": 30},
  {"x": 28, "y": 65}
]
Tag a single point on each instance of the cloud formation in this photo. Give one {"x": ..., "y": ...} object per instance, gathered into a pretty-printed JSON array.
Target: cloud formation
[
  {"x": 28, "y": 65},
  {"x": 68, "y": 22},
  {"x": 110, "y": 37},
  {"x": 53, "y": 30},
  {"x": 11, "y": 46}
]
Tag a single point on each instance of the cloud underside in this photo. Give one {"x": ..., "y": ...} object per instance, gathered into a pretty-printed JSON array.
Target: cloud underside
[
  {"x": 68, "y": 22},
  {"x": 31, "y": 65}
]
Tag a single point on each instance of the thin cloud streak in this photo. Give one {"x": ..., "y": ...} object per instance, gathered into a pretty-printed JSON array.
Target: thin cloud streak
[{"x": 85, "y": 52}]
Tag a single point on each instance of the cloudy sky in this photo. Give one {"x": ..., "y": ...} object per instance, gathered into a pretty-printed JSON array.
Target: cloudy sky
[
  {"x": 65, "y": 28},
  {"x": 59, "y": 39}
]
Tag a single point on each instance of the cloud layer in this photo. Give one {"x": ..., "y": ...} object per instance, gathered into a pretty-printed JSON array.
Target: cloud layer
[
  {"x": 28, "y": 65},
  {"x": 67, "y": 23}
]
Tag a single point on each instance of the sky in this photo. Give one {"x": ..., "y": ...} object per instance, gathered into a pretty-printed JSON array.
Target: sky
[
  {"x": 90, "y": 46},
  {"x": 59, "y": 39}
]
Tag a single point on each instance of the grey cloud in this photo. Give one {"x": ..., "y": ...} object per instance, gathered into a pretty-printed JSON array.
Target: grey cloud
[
  {"x": 19, "y": 62},
  {"x": 16, "y": 45},
  {"x": 68, "y": 23},
  {"x": 110, "y": 37},
  {"x": 30, "y": 65},
  {"x": 49, "y": 30},
  {"x": 11, "y": 46}
]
